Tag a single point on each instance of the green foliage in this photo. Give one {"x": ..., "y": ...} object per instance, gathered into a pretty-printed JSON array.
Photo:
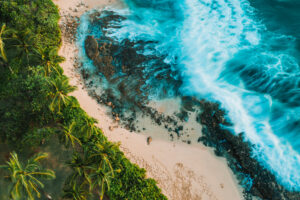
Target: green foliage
[
  {"x": 24, "y": 88},
  {"x": 131, "y": 183},
  {"x": 25, "y": 178},
  {"x": 23, "y": 105},
  {"x": 35, "y": 106},
  {"x": 89, "y": 127},
  {"x": 67, "y": 135},
  {"x": 59, "y": 93},
  {"x": 2, "y": 52}
]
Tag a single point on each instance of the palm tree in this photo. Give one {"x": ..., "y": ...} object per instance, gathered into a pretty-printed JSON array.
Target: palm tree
[
  {"x": 79, "y": 180},
  {"x": 2, "y": 45},
  {"x": 25, "y": 44},
  {"x": 89, "y": 128},
  {"x": 101, "y": 171},
  {"x": 68, "y": 134},
  {"x": 49, "y": 59},
  {"x": 78, "y": 164},
  {"x": 25, "y": 178},
  {"x": 103, "y": 152},
  {"x": 59, "y": 94},
  {"x": 100, "y": 177},
  {"x": 4, "y": 31},
  {"x": 47, "y": 55},
  {"x": 91, "y": 172},
  {"x": 75, "y": 192}
]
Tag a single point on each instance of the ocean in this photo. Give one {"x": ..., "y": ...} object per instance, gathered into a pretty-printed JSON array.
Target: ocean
[{"x": 244, "y": 54}]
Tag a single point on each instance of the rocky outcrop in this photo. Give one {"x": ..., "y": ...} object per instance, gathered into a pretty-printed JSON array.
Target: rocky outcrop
[
  {"x": 256, "y": 180},
  {"x": 91, "y": 47},
  {"x": 132, "y": 76}
]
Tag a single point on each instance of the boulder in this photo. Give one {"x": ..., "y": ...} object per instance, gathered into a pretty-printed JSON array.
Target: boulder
[{"x": 91, "y": 47}]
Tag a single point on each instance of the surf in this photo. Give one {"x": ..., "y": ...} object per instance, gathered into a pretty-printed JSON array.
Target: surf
[{"x": 225, "y": 52}]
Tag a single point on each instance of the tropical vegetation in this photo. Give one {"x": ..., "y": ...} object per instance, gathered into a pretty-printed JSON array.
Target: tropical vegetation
[
  {"x": 37, "y": 111},
  {"x": 25, "y": 178}
]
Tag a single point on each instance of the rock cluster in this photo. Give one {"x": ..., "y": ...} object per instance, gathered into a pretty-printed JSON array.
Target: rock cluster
[
  {"x": 133, "y": 74},
  {"x": 132, "y": 77},
  {"x": 69, "y": 26},
  {"x": 256, "y": 180}
]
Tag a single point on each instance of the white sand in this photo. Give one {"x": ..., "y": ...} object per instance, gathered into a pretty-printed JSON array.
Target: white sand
[{"x": 183, "y": 172}]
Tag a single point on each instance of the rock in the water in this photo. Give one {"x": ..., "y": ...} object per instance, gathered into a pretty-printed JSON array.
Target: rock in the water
[{"x": 91, "y": 47}]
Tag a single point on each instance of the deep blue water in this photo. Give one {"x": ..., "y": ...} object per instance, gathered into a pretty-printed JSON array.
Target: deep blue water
[{"x": 244, "y": 54}]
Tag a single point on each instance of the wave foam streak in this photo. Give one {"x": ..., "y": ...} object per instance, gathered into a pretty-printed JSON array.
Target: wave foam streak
[
  {"x": 221, "y": 49},
  {"x": 225, "y": 54}
]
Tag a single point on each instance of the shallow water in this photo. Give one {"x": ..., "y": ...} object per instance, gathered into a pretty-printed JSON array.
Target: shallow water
[{"x": 242, "y": 53}]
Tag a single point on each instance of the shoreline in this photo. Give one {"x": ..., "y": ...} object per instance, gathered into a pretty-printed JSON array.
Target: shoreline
[{"x": 194, "y": 172}]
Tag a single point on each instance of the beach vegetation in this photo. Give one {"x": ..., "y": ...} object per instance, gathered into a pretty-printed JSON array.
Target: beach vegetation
[
  {"x": 36, "y": 110},
  {"x": 2, "y": 44},
  {"x": 25, "y": 178}
]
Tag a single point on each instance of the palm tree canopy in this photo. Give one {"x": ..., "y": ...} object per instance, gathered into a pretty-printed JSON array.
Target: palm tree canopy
[
  {"x": 25, "y": 177},
  {"x": 49, "y": 59},
  {"x": 3, "y": 32},
  {"x": 25, "y": 43},
  {"x": 68, "y": 132},
  {"x": 91, "y": 171},
  {"x": 59, "y": 94},
  {"x": 89, "y": 127}
]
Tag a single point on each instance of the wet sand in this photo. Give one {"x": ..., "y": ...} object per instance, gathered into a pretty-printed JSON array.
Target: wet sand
[{"x": 182, "y": 171}]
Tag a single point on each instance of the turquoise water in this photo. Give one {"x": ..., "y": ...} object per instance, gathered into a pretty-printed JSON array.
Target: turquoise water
[{"x": 242, "y": 53}]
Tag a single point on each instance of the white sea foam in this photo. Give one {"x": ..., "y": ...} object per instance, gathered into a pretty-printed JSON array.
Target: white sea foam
[
  {"x": 226, "y": 55},
  {"x": 213, "y": 32}
]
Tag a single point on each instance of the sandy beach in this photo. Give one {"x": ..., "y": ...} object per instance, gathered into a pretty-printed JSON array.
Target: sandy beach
[{"x": 182, "y": 171}]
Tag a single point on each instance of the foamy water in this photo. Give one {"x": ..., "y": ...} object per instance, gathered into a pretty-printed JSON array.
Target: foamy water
[{"x": 227, "y": 53}]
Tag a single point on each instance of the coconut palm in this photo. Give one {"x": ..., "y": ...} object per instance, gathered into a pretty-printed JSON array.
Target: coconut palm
[
  {"x": 48, "y": 55},
  {"x": 5, "y": 34},
  {"x": 24, "y": 45},
  {"x": 75, "y": 192},
  {"x": 101, "y": 172},
  {"x": 79, "y": 180},
  {"x": 59, "y": 94},
  {"x": 103, "y": 152},
  {"x": 68, "y": 134},
  {"x": 100, "y": 177},
  {"x": 78, "y": 164},
  {"x": 25, "y": 178},
  {"x": 2, "y": 45},
  {"x": 89, "y": 127},
  {"x": 49, "y": 59},
  {"x": 4, "y": 31},
  {"x": 92, "y": 173}
]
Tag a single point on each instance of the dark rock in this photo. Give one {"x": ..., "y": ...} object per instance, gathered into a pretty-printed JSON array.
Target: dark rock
[
  {"x": 85, "y": 74},
  {"x": 132, "y": 77},
  {"x": 91, "y": 47},
  {"x": 188, "y": 103},
  {"x": 158, "y": 121},
  {"x": 238, "y": 153},
  {"x": 177, "y": 132}
]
